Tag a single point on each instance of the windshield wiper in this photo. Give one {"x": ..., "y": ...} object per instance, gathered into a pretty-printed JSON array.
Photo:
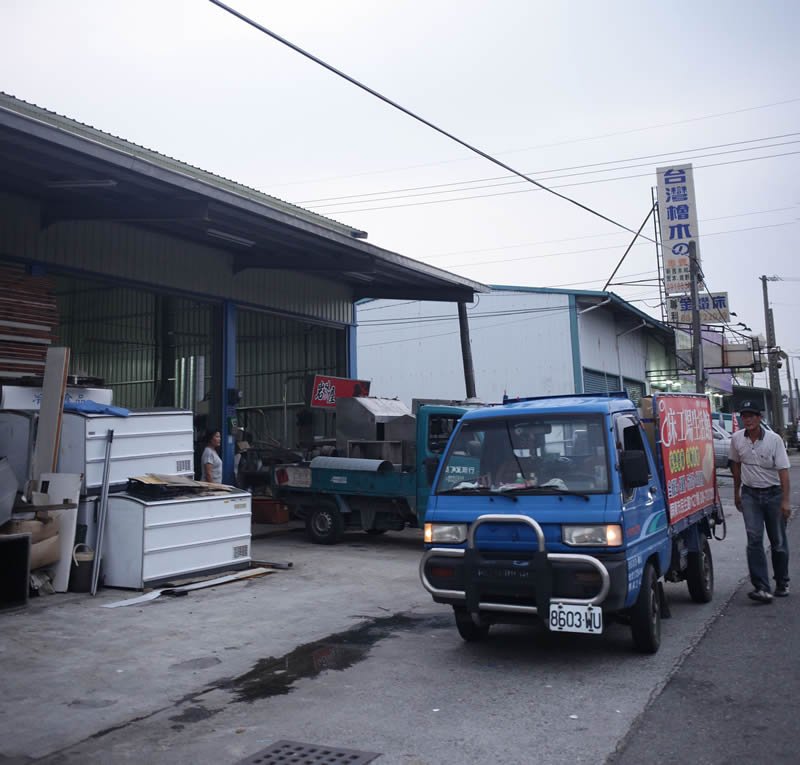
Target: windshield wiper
[
  {"x": 548, "y": 490},
  {"x": 484, "y": 491},
  {"x": 464, "y": 490}
]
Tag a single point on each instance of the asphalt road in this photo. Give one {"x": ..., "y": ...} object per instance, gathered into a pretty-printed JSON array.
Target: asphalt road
[
  {"x": 347, "y": 650},
  {"x": 735, "y": 698}
]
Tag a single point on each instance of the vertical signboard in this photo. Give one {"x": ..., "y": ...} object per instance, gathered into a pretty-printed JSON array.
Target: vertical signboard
[
  {"x": 678, "y": 215},
  {"x": 687, "y": 453}
]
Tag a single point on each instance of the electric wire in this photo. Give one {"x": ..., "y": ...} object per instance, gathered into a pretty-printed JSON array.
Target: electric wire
[
  {"x": 470, "y": 147},
  {"x": 450, "y": 253},
  {"x": 560, "y": 186},
  {"x": 546, "y": 145},
  {"x": 612, "y": 247},
  {"x": 361, "y": 198},
  {"x": 448, "y": 317},
  {"x": 411, "y": 114}
]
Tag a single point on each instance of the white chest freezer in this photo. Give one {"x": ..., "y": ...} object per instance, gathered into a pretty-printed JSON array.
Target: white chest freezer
[
  {"x": 147, "y": 441},
  {"x": 147, "y": 542}
]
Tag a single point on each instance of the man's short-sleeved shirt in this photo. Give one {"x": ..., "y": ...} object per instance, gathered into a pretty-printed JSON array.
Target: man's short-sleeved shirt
[{"x": 760, "y": 461}]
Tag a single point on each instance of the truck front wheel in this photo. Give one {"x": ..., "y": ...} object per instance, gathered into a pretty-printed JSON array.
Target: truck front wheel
[
  {"x": 646, "y": 613},
  {"x": 467, "y": 628},
  {"x": 700, "y": 574},
  {"x": 325, "y": 525}
]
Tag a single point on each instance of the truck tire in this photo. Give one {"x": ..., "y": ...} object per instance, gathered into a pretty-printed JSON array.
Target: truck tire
[
  {"x": 646, "y": 613},
  {"x": 469, "y": 631},
  {"x": 700, "y": 574},
  {"x": 325, "y": 525}
]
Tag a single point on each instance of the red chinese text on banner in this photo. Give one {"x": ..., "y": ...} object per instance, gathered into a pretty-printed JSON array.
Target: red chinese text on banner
[{"x": 687, "y": 451}]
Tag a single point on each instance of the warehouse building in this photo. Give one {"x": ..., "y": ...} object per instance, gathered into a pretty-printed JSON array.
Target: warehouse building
[
  {"x": 526, "y": 341},
  {"x": 174, "y": 286}
]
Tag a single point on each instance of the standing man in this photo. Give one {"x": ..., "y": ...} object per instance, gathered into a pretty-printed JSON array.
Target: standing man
[{"x": 760, "y": 468}]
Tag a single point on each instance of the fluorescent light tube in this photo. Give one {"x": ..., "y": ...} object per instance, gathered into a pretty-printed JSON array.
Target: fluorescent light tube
[
  {"x": 82, "y": 183},
  {"x": 225, "y": 236}
]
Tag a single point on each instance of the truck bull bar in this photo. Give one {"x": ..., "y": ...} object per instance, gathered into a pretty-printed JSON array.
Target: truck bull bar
[{"x": 563, "y": 557}]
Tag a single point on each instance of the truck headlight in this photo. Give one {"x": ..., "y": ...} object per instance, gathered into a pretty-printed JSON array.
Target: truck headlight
[
  {"x": 605, "y": 535},
  {"x": 445, "y": 533}
]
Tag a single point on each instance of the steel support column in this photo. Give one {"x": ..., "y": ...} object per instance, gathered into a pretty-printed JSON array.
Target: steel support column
[{"x": 229, "y": 390}]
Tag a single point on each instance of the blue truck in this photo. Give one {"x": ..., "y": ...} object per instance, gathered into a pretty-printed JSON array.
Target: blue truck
[{"x": 573, "y": 510}]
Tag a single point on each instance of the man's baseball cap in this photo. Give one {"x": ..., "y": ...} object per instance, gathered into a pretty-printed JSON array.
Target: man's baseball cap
[{"x": 751, "y": 405}]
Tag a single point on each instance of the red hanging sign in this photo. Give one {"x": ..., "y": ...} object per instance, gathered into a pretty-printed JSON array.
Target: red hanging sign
[{"x": 326, "y": 390}]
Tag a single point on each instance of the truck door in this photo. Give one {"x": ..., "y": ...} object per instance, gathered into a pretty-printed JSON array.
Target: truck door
[
  {"x": 435, "y": 425},
  {"x": 643, "y": 508}
]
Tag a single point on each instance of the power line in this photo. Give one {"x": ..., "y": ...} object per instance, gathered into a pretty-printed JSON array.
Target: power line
[
  {"x": 450, "y": 317},
  {"x": 416, "y": 338},
  {"x": 612, "y": 247},
  {"x": 545, "y": 145},
  {"x": 438, "y": 318},
  {"x": 561, "y": 186},
  {"x": 550, "y": 178},
  {"x": 437, "y": 255},
  {"x": 332, "y": 200},
  {"x": 411, "y": 114}
]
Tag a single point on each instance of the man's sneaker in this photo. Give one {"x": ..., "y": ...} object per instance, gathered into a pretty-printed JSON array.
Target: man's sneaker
[
  {"x": 760, "y": 596},
  {"x": 782, "y": 591}
]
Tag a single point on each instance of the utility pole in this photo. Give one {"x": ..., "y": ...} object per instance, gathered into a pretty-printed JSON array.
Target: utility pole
[
  {"x": 697, "y": 340},
  {"x": 772, "y": 360},
  {"x": 466, "y": 351},
  {"x": 792, "y": 414},
  {"x": 797, "y": 391}
]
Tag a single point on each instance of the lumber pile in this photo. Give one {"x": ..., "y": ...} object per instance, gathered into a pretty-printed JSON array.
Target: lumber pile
[{"x": 28, "y": 316}]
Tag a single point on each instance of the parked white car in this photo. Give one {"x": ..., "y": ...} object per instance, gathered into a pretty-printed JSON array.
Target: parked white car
[{"x": 722, "y": 444}]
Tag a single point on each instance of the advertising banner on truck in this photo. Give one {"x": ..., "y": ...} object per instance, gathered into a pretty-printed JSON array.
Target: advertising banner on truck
[
  {"x": 687, "y": 453},
  {"x": 326, "y": 389}
]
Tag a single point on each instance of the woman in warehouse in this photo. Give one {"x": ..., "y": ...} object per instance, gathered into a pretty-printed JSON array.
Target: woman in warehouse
[{"x": 210, "y": 462}]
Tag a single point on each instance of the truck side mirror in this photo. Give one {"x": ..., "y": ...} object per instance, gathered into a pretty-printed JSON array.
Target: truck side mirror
[
  {"x": 634, "y": 469},
  {"x": 431, "y": 466}
]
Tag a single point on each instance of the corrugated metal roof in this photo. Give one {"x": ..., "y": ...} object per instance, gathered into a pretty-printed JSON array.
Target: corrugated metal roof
[
  {"x": 61, "y": 122},
  {"x": 599, "y": 294},
  {"x": 46, "y": 154}
]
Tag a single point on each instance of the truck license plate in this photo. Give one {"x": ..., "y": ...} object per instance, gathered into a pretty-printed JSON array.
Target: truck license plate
[{"x": 571, "y": 618}]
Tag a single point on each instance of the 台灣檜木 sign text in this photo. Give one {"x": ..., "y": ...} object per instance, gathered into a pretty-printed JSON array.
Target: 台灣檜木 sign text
[{"x": 678, "y": 216}]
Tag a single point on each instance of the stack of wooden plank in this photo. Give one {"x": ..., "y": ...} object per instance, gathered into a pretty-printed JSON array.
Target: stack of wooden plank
[{"x": 28, "y": 317}]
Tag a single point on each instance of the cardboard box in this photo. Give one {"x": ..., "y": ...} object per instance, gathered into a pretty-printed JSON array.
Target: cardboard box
[
  {"x": 647, "y": 416},
  {"x": 46, "y": 552},
  {"x": 266, "y": 510},
  {"x": 39, "y": 529}
]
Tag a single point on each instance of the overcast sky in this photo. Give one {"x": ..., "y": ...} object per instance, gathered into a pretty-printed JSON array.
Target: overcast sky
[{"x": 587, "y": 97}]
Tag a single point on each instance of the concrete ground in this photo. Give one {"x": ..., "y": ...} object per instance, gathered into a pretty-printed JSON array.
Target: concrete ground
[
  {"x": 735, "y": 697},
  {"x": 72, "y": 669},
  {"x": 75, "y": 672}
]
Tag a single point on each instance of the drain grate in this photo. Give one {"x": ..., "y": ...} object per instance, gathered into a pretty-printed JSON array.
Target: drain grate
[{"x": 297, "y": 753}]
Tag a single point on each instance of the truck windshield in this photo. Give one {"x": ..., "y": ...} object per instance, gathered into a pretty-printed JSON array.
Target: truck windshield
[{"x": 527, "y": 454}]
